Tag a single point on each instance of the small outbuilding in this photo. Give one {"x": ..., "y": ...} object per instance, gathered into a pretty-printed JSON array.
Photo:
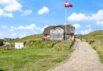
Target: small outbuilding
[
  {"x": 19, "y": 45},
  {"x": 59, "y": 32}
]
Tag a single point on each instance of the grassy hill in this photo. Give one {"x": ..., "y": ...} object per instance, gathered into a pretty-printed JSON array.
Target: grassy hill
[
  {"x": 96, "y": 35},
  {"x": 27, "y": 38},
  {"x": 96, "y": 40},
  {"x": 37, "y": 55}
]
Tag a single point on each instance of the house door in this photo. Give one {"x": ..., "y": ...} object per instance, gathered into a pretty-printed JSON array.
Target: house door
[{"x": 56, "y": 34}]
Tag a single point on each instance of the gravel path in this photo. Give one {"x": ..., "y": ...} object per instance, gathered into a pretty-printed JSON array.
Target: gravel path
[{"x": 84, "y": 58}]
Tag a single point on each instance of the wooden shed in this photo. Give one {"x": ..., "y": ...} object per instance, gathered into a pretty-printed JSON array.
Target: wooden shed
[{"x": 59, "y": 32}]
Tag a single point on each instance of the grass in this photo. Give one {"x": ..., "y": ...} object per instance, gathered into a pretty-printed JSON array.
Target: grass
[
  {"x": 98, "y": 46},
  {"x": 96, "y": 40},
  {"x": 37, "y": 55}
]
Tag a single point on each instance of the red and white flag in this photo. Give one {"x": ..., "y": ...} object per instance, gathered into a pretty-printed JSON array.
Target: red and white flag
[{"x": 67, "y": 5}]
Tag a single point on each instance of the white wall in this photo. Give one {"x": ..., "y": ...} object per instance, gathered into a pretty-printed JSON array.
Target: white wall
[
  {"x": 56, "y": 34},
  {"x": 19, "y": 45}
]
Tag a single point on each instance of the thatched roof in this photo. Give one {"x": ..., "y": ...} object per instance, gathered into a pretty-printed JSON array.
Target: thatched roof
[{"x": 69, "y": 29}]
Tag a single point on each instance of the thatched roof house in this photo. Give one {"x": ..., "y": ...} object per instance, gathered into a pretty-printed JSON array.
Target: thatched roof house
[{"x": 59, "y": 32}]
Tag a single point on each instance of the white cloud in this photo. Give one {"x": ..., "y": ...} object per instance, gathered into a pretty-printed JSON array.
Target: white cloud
[
  {"x": 8, "y": 15},
  {"x": 38, "y": 28},
  {"x": 88, "y": 26},
  {"x": 22, "y": 35},
  {"x": 13, "y": 6},
  {"x": 2, "y": 13},
  {"x": 9, "y": 6},
  {"x": 19, "y": 31},
  {"x": 3, "y": 26},
  {"x": 5, "y": 1},
  {"x": 27, "y": 12},
  {"x": 97, "y": 16},
  {"x": 100, "y": 22},
  {"x": 1, "y": 36},
  {"x": 82, "y": 17},
  {"x": 27, "y": 27},
  {"x": 85, "y": 31},
  {"x": 44, "y": 27},
  {"x": 15, "y": 35},
  {"x": 76, "y": 26},
  {"x": 77, "y": 17},
  {"x": 43, "y": 10}
]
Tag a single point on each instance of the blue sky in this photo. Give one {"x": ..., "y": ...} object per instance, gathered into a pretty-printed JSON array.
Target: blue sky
[{"x": 19, "y": 18}]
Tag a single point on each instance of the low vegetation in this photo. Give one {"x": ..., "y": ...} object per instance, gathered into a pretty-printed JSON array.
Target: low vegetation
[
  {"x": 38, "y": 55},
  {"x": 96, "y": 40},
  {"x": 1, "y": 42}
]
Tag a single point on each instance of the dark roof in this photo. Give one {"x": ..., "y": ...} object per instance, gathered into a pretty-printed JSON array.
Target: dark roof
[{"x": 69, "y": 29}]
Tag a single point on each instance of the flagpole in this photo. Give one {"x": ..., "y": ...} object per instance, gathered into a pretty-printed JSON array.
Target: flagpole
[
  {"x": 67, "y": 5},
  {"x": 65, "y": 25},
  {"x": 65, "y": 16}
]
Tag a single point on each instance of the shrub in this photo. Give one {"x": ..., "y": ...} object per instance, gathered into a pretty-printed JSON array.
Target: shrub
[{"x": 1, "y": 42}]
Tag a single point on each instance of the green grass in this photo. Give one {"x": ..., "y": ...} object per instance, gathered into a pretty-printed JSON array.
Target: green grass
[
  {"x": 96, "y": 40},
  {"x": 98, "y": 46},
  {"x": 37, "y": 55}
]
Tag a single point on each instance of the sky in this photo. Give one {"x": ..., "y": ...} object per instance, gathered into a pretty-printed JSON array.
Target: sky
[{"x": 20, "y": 18}]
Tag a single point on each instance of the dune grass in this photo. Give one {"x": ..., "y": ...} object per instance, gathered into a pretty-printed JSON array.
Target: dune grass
[{"x": 36, "y": 56}]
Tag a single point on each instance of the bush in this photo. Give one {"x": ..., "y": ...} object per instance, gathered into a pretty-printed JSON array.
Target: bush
[{"x": 1, "y": 42}]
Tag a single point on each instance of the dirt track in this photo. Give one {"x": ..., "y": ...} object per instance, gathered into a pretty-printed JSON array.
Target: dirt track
[{"x": 84, "y": 58}]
